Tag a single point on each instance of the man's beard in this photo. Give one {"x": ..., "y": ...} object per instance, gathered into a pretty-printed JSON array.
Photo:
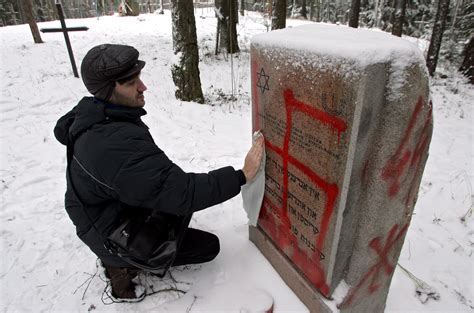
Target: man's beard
[{"x": 124, "y": 100}]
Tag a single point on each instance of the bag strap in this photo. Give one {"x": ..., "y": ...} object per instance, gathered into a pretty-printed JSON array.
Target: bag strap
[
  {"x": 182, "y": 229},
  {"x": 70, "y": 155}
]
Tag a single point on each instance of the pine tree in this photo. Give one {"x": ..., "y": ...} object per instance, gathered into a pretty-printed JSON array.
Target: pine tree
[
  {"x": 465, "y": 31},
  {"x": 367, "y": 13},
  {"x": 386, "y": 12},
  {"x": 328, "y": 11},
  {"x": 10, "y": 14},
  {"x": 342, "y": 11},
  {"x": 279, "y": 14},
  {"x": 161, "y": 8},
  {"x": 227, "y": 24},
  {"x": 3, "y": 13},
  {"x": 398, "y": 17},
  {"x": 418, "y": 15},
  {"x": 465, "y": 21},
  {"x": 437, "y": 36},
  {"x": 299, "y": 9},
  {"x": 26, "y": 7},
  {"x": 354, "y": 14},
  {"x": 185, "y": 71},
  {"x": 314, "y": 10},
  {"x": 467, "y": 66}
]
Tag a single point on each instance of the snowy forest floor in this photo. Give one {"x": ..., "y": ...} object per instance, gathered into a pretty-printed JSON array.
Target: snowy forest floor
[{"x": 45, "y": 267}]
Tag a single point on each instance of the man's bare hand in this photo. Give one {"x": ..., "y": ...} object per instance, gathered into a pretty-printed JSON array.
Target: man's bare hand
[{"x": 253, "y": 159}]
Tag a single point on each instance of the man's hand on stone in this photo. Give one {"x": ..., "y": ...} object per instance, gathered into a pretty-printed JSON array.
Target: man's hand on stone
[{"x": 253, "y": 159}]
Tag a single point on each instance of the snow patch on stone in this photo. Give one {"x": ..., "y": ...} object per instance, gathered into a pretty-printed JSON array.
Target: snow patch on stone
[{"x": 351, "y": 49}]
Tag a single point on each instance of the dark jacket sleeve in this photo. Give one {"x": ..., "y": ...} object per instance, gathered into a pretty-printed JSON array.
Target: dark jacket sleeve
[{"x": 149, "y": 179}]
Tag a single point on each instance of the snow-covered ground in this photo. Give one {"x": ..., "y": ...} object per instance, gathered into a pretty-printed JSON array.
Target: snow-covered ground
[{"x": 45, "y": 267}]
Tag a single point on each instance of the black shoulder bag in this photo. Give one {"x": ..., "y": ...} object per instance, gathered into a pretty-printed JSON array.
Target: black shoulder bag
[{"x": 149, "y": 243}]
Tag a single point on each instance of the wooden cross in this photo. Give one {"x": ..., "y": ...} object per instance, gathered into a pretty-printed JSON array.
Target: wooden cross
[{"x": 65, "y": 30}]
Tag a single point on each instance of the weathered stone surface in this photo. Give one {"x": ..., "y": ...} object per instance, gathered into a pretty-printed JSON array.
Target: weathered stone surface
[{"x": 347, "y": 135}]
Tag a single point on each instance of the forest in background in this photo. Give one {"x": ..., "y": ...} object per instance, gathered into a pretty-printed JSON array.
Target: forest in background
[{"x": 417, "y": 18}]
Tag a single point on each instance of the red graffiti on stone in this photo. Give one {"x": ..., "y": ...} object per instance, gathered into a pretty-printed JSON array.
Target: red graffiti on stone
[
  {"x": 406, "y": 158},
  {"x": 400, "y": 169},
  {"x": 382, "y": 266},
  {"x": 310, "y": 265}
]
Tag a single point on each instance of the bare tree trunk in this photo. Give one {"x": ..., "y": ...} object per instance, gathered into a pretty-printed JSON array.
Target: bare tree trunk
[
  {"x": 310, "y": 4},
  {"x": 161, "y": 8},
  {"x": 279, "y": 14},
  {"x": 51, "y": 7},
  {"x": 26, "y": 7},
  {"x": 386, "y": 8},
  {"x": 227, "y": 19},
  {"x": 437, "y": 35},
  {"x": 398, "y": 17},
  {"x": 111, "y": 7},
  {"x": 233, "y": 21},
  {"x": 185, "y": 71},
  {"x": 328, "y": 12},
  {"x": 376, "y": 13},
  {"x": 354, "y": 14},
  {"x": 454, "y": 15},
  {"x": 242, "y": 7},
  {"x": 317, "y": 11},
  {"x": 467, "y": 67}
]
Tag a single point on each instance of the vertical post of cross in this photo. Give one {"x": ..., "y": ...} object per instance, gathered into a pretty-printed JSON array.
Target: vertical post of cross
[{"x": 66, "y": 37}]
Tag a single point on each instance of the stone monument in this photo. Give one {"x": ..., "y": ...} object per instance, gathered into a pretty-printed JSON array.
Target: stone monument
[{"x": 347, "y": 122}]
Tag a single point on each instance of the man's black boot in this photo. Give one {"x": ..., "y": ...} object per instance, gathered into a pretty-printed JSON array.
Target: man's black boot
[{"x": 123, "y": 288}]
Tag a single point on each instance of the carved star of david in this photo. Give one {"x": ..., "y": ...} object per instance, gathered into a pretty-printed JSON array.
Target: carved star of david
[{"x": 262, "y": 82}]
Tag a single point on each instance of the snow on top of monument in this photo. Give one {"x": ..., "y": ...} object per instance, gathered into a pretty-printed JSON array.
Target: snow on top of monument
[{"x": 364, "y": 47}]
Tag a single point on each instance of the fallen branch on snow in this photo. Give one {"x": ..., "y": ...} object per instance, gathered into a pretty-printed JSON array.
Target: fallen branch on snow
[{"x": 423, "y": 291}]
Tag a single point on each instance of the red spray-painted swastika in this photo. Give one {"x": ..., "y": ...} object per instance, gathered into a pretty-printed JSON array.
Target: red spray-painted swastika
[
  {"x": 406, "y": 159},
  {"x": 403, "y": 163},
  {"x": 281, "y": 233},
  {"x": 382, "y": 266}
]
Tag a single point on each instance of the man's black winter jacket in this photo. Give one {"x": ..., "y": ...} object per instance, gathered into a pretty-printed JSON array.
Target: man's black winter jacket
[{"x": 117, "y": 169}]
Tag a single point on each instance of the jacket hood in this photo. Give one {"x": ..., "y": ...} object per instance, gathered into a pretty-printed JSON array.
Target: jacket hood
[{"x": 90, "y": 111}]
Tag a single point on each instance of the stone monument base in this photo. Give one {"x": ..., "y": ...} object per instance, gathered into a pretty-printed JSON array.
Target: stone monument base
[{"x": 292, "y": 277}]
